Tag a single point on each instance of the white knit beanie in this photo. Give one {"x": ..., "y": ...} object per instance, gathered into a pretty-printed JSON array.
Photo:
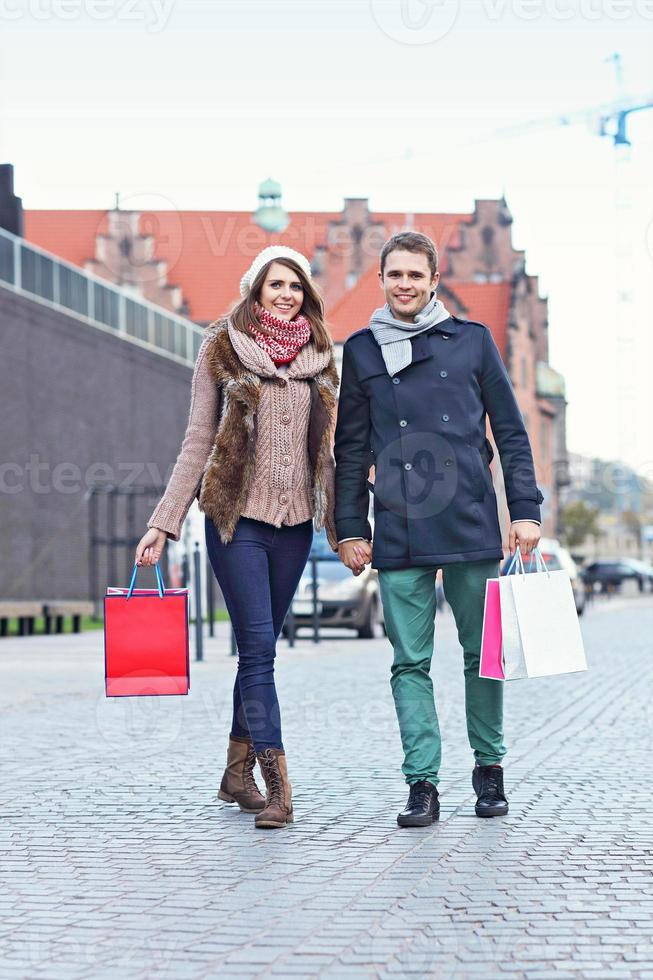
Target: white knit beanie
[{"x": 267, "y": 255}]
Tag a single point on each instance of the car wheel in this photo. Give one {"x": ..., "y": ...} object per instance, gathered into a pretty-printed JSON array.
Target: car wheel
[{"x": 372, "y": 628}]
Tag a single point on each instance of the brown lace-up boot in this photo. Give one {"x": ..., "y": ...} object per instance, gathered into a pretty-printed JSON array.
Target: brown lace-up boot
[
  {"x": 278, "y": 806},
  {"x": 238, "y": 785}
]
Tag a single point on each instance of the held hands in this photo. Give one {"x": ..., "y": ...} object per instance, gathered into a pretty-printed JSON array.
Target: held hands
[
  {"x": 150, "y": 548},
  {"x": 526, "y": 534},
  {"x": 355, "y": 554}
]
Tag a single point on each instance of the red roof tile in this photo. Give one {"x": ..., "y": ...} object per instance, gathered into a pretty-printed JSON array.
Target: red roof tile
[
  {"x": 68, "y": 234},
  {"x": 489, "y": 303},
  {"x": 208, "y": 251},
  {"x": 354, "y": 309}
]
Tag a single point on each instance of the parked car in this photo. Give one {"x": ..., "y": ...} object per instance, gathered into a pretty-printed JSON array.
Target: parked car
[
  {"x": 344, "y": 600},
  {"x": 611, "y": 573},
  {"x": 556, "y": 557},
  {"x": 645, "y": 570}
]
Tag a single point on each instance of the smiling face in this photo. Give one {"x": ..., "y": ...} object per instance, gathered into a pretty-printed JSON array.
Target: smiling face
[
  {"x": 281, "y": 293},
  {"x": 407, "y": 283}
]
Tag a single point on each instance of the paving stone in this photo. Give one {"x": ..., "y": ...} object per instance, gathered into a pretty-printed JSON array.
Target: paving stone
[{"x": 116, "y": 858}]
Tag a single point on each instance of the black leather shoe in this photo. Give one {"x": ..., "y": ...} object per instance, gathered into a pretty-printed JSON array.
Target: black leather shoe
[
  {"x": 488, "y": 786},
  {"x": 422, "y": 807}
]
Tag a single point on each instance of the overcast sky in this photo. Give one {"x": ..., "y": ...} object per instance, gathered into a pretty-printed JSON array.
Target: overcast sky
[{"x": 189, "y": 104}]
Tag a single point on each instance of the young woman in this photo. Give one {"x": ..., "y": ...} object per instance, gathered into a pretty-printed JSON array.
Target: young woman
[{"x": 257, "y": 454}]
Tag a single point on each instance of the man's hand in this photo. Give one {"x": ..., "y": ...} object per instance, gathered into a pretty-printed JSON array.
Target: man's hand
[
  {"x": 355, "y": 554},
  {"x": 526, "y": 534}
]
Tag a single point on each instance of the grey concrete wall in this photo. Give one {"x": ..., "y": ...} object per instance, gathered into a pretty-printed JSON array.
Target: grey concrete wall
[{"x": 78, "y": 406}]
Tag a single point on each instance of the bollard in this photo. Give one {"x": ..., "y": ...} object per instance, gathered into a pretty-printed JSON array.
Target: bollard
[
  {"x": 210, "y": 596},
  {"x": 234, "y": 645},
  {"x": 290, "y": 623},
  {"x": 316, "y": 612},
  {"x": 199, "y": 638}
]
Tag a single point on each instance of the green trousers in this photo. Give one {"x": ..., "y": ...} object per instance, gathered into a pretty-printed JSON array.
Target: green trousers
[{"x": 408, "y": 597}]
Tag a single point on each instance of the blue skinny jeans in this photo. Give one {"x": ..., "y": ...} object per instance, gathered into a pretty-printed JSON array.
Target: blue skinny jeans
[{"x": 258, "y": 573}]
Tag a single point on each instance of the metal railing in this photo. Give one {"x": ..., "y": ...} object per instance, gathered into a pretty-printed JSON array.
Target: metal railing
[{"x": 30, "y": 270}]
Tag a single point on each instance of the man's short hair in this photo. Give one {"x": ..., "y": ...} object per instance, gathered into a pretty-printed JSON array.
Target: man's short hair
[{"x": 411, "y": 241}]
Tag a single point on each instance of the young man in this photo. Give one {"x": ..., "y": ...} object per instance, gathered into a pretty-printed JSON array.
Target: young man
[{"x": 416, "y": 388}]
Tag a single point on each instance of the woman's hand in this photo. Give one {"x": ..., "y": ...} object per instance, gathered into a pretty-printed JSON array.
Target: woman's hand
[{"x": 150, "y": 548}]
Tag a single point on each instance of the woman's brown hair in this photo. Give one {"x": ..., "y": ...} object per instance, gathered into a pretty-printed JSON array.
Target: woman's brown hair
[{"x": 244, "y": 312}]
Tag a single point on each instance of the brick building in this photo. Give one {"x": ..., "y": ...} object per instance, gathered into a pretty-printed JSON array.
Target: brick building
[{"x": 190, "y": 262}]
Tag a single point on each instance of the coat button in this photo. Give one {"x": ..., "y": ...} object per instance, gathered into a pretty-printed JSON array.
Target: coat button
[
  {"x": 286, "y": 460},
  {"x": 444, "y": 374},
  {"x": 283, "y": 498},
  {"x": 403, "y": 423},
  {"x": 408, "y": 466},
  {"x": 445, "y": 418},
  {"x": 285, "y": 418},
  {"x": 448, "y": 461},
  {"x": 396, "y": 381},
  {"x": 282, "y": 382},
  {"x": 445, "y": 336}
]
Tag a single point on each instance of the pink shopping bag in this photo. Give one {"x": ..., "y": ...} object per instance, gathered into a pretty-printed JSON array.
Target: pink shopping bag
[{"x": 491, "y": 664}]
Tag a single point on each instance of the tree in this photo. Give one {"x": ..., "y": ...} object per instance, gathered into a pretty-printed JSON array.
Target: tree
[{"x": 578, "y": 521}]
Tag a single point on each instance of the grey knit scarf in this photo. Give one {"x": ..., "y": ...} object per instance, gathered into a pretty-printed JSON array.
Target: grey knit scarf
[{"x": 393, "y": 336}]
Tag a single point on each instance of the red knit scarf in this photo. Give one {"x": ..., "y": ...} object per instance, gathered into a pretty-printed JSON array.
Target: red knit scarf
[{"x": 286, "y": 337}]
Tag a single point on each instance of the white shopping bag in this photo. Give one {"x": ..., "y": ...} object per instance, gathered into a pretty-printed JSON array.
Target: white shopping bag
[{"x": 544, "y": 613}]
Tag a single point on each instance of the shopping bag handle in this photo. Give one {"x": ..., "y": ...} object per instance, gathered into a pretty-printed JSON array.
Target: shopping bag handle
[
  {"x": 159, "y": 581},
  {"x": 540, "y": 564},
  {"x": 516, "y": 558}
]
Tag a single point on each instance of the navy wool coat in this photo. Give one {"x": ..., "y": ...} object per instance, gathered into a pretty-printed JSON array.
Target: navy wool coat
[{"x": 424, "y": 431}]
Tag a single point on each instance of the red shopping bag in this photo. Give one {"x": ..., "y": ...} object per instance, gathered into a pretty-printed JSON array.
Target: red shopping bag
[{"x": 146, "y": 640}]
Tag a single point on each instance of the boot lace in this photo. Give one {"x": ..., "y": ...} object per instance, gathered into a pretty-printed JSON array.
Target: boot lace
[
  {"x": 248, "y": 771},
  {"x": 272, "y": 775}
]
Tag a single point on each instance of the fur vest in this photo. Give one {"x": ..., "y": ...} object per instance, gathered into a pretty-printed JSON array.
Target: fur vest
[{"x": 228, "y": 472}]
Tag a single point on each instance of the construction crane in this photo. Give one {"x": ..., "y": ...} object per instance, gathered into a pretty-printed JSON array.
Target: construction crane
[{"x": 610, "y": 120}]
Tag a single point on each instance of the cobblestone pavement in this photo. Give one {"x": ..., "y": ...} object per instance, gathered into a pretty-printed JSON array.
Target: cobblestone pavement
[{"x": 117, "y": 860}]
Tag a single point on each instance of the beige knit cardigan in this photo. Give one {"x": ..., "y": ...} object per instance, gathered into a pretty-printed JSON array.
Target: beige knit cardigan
[{"x": 280, "y": 491}]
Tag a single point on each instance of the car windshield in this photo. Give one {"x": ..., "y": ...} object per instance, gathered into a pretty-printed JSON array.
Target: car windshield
[
  {"x": 327, "y": 569},
  {"x": 321, "y": 546}
]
